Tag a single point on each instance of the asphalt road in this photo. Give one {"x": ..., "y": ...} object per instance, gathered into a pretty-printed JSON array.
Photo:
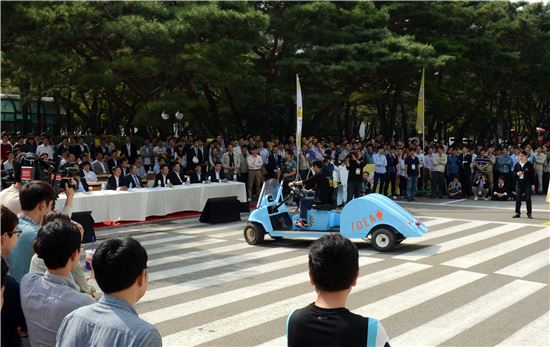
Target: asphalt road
[{"x": 478, "y": 278}]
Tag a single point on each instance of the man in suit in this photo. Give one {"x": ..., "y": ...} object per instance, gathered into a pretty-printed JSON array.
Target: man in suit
[
  {"x": 125, "y": 166},
  {"x": 116, "y": 180},
  {"x": 99, "y": 166},
  {"x": 231, "y": 161},
  {"x": 198, "y": 176},
  {"x": 176, "y": 176},
  {"x": 63, "y": 146},
  {"x": 114, "y": 161},
  {"x": 162, "y": 180},
  {"x": 217, "y": 174},
  {"x": 129, "y": 149},
  {"x": 524, "y": 172},
  {"x": 133, "y": 179},
  {"x": 80, "y": 148},
  {"x": 194, "y": 155}
]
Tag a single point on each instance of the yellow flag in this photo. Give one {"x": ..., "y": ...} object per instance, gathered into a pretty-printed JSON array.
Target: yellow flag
[
  {"x": 420, "y": 108},
  {"x": 299, "y": 116}
]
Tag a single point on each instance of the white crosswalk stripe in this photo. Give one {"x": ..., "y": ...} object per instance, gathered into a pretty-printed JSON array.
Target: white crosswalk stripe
[
  {"x": 180, "y": 250},
  {"x": 456, "y": 243},
  {"x": 446, "y": 232},
  {"x": 528, "y": 265},
  {"x": 453, "y": 323},
  {"x": 535, "y": 333},
  {"x": 489, "y": 253}
]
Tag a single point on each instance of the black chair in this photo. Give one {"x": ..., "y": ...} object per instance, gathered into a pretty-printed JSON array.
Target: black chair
[{"x": 333, "y": 205}]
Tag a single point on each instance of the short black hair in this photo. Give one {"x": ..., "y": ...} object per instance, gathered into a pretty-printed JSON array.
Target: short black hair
[
  {"x": 333, "y": 262},
  {"x": 317, "y": 163},
  {"x": 9, "y": 220},
  {"x": 117, "y": 263},
  {"x": 35, "y": 192},
  {"x": 55, "y": 215},
  {"x": 163, "y": 166},
  {"x": 56, "y": 241}
]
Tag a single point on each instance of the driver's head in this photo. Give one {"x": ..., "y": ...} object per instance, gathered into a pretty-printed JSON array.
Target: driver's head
[
  {"x": 317, "y": 165},
  {"x": 333, "y": 263}
]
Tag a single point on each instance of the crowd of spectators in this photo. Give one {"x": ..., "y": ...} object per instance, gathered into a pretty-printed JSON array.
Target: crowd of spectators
[{"x": 401, "y": 168}]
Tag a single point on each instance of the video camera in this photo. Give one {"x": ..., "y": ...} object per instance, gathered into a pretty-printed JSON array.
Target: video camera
[{"x": 30, "y": 167}]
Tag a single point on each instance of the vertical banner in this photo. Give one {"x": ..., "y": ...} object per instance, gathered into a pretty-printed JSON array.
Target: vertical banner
[{"x": 299, "y": 115}]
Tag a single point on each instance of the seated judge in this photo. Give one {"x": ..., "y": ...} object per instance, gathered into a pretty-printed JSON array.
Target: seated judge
[
  {"x": 217, "y": 174},
  {"x": 133, "y": 179},
  {"x": 80, "y": 182},
  {"x": 499, "y": 191},
  {"x": 162, "y": 179},
  {"x": 87, "y": 172},
  {"x": 116, "y": 180},
  {"x": 198, "y": 176},
  {"x": 176, "y": 176}
]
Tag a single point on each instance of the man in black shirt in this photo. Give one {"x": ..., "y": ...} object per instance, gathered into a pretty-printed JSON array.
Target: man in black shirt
[
  {"x": 323, "y": 192},
  {"x": 413, "y": 171},
  {"x": 525, "y": 184},
  {"x": 333, "y": 270},
  {"x": 355, "y": 175}
]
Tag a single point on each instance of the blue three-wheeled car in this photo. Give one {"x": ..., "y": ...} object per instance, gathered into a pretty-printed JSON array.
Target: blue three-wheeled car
[{"x": 373, "y": 217}]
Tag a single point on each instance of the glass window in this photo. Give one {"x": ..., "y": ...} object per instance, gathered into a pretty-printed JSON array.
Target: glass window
[
  {"x": 50, "y": 107},
  {"x": 8, "y": 117},
  {"x": 7, "y": 105}
]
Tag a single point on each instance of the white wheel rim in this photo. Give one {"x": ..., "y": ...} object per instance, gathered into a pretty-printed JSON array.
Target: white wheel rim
[
  {"x": 382, "y": 240},
  {"x": 250, "y": 233}
]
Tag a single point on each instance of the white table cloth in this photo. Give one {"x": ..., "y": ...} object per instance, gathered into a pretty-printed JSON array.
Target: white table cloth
[{"x": 138, "y": 204}]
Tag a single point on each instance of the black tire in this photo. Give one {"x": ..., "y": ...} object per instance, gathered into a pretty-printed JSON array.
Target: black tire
[
  {"x": 383, "y": 240},
  {"x": 254, "y": 233}
]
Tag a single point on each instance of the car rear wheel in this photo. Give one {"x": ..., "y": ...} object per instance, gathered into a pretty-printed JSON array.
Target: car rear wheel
[
  {"x": 254, "y": 233},
  {"x": 383, "y": 239}
]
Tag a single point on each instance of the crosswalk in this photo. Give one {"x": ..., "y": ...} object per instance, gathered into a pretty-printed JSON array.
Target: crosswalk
[{"x": 462, "y": 279}]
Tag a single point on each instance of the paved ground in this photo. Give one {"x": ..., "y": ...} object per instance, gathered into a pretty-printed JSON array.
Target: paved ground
[{"x": 478, "y": 278}]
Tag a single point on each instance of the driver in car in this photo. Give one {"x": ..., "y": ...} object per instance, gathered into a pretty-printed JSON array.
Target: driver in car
[{"x": 320, "y": 184}]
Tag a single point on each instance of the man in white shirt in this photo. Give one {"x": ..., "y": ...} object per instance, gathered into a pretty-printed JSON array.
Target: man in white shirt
[
  {"x": 47, "y": 148},
  {"x": 254, "y": 172}
]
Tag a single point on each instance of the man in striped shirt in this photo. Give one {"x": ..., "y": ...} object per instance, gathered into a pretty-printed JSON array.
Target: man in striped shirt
[{"x": 481, "y": 164}]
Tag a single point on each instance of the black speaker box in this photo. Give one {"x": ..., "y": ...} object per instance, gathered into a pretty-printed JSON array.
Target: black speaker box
[
  {"x": 221, "y": 210},
  {"x": 87, "y": 222}
]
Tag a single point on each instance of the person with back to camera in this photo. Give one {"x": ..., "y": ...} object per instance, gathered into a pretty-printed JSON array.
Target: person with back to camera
[
  {"x": 120, "y": 268},
  {"x": 47, "y": 298},
  {"x": 333, "y": 270}
]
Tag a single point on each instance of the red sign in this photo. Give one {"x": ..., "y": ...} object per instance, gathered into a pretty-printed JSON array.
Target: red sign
[{"x": 26, "y": 173}]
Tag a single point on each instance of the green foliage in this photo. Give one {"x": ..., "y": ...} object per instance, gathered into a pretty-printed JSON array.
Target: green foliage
[{"x": 230, "y": 66}]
